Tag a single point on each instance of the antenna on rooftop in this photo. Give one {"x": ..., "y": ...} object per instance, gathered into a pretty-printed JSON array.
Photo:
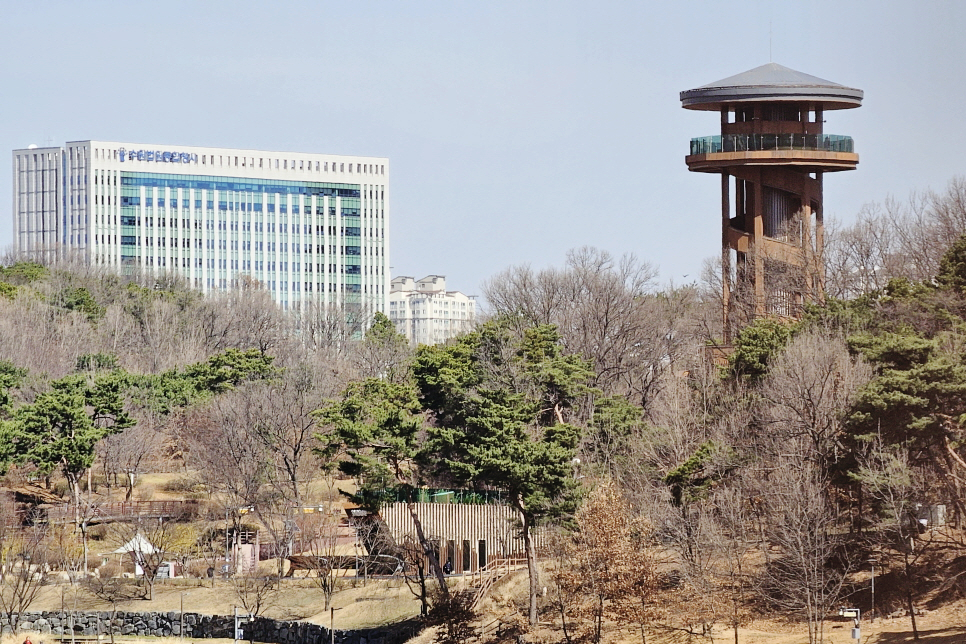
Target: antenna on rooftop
[{"x": 770, "y": 59}]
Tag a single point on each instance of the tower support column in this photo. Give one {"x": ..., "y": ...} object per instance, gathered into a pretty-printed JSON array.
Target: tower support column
[{"x": 726, "y": 255}]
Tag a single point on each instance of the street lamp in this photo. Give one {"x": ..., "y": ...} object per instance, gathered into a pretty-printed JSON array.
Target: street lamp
[
  {"x": 332, "y": 610},
  {"x": 872, "y": 562},
  {"x": 181, "y": 631}
]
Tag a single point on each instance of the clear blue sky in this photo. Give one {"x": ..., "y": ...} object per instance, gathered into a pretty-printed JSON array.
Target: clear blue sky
[{"x": 516, "y": 130}]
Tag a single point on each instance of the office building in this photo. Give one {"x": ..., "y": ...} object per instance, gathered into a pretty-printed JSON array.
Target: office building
[
  {"x": 309, "y": 227},
  {"x": 426, "y": 313}
]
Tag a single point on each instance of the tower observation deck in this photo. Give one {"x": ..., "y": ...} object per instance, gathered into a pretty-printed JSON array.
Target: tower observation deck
[{"x": 772, "y": 154}]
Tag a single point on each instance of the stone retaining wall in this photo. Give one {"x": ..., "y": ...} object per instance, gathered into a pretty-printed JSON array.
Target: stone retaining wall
[{"x": 262, "y": 629}]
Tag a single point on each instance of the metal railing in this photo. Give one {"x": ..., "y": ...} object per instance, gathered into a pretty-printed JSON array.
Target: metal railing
[
  {"x": 763, "y": 142},
  {"x": 124, "y": 510}
]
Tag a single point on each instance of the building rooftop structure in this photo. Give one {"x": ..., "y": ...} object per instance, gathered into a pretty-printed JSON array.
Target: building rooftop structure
[{"x": 771, "y": 82}]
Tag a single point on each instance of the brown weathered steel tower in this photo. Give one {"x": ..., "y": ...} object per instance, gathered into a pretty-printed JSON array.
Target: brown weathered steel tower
[{"x": 772, "y": 153}]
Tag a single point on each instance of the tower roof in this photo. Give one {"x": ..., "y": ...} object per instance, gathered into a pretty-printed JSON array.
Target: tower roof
[{"x": 771, "y": 82}]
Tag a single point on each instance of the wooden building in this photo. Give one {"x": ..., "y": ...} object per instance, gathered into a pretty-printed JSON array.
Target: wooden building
[{"x": 467, "y": 536}]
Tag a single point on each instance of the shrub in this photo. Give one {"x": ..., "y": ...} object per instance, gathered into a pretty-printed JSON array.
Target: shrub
[
  {"x": 110, "y": 569},
  {"x": 182, "y": 485},
  {"x": 97, "y": 532}
]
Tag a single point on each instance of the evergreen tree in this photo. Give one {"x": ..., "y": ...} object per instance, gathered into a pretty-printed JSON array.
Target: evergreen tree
[
  {"x": 756, "y": 345},
  {"x": 375, "y": 430},
  {"x": 503, "y": 405},
  {"x": 952, "y": 266},
  {"x": 62, "y": 426}
]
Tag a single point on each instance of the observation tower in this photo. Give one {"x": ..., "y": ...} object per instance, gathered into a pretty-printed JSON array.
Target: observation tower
[{"x": 772, "y": 154}]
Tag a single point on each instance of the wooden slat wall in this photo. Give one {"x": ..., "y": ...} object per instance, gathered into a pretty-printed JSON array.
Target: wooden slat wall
[{"x": 497, "y": 525}]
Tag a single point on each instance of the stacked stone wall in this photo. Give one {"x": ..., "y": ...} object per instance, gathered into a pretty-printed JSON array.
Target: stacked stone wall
[{"x": 60, "y": 624}]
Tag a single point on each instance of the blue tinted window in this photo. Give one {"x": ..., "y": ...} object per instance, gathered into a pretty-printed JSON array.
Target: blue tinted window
[{"x": 198, "y": 182}]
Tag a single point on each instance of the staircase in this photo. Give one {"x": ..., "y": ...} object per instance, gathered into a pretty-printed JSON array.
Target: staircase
[{"x": 482, "y": 580}]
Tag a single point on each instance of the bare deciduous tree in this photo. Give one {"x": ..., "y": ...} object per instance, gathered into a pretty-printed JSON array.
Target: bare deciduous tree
[
  {"x": 127, "y": 452},
  {"x": 281, "y": 418},
  {"x": 808, "y": 390},
  {"x": 808, "y": 574},
  {"x": 605, "y": 311},
  {"x": 25, "y": 567},
  {"x": 894, "y": 239},
  {"x": 151, "y": 541},
  {"x": 224, "y": 447},
  {"x": 322, "y": 531},
  {"x": 900, "y": 490},
  {"x": 255, "y": 593},
  {"x": 110, "y": 590}
]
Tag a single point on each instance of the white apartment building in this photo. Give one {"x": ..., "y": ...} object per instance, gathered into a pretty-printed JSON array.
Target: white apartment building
[
  {"x": 307, "y": 226},
  {"x": 426, "y": 313}
]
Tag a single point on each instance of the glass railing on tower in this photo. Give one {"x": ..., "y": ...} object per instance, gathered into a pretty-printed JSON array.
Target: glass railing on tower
[{"x": 762, "y": 142}]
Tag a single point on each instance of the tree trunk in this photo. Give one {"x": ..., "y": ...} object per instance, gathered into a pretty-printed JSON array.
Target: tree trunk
[
  {"x": 531, "y": 562},
  {"x": 599, "y": 619},
  {"x": 130, "y": 487},
  {"x": 912, "y": 615},
  {"x": 73, "y": 480},
  {"x": 909, "y": 604},
  {"x": 427, "y": 547},
  {"x": 83, "y": 526}
]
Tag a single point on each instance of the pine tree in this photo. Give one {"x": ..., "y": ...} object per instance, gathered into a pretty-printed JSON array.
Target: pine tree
[{"x": 503, "y": 405}]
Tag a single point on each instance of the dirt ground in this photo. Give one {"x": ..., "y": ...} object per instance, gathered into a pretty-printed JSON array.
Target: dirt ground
[
  {"x": 383, "y": 602},
  {"x": 943, "y": 626}
]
